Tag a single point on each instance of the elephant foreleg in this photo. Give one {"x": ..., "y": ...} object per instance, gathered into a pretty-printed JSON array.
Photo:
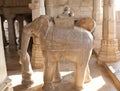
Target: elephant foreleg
[
  {"x": 49, "y": 71},
  {"x": 57, "y": 76},
  {"x": 25, "y": 59},
  {"x": 26, "y": 71},
  {"x": 82, "y": 69}
]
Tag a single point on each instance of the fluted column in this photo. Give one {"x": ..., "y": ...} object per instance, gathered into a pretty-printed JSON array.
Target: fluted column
[
  {"x": 97, "y": 10},
  {"x": 109, "y": 45},
  {"x": 20, "y": 20},
  {"x": 49, "y": 7},
  {"x": 12, "y": 39},
  {"x": 97, "y": 16}
]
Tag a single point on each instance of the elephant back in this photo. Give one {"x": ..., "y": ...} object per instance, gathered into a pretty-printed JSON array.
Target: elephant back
[
  {"x": 63, "y": 35},
  {"x": 64, "y": 23},
  {"x": 65, "y": 39}
]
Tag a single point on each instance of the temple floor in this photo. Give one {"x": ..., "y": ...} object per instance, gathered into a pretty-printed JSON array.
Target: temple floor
[{"x": 100, "y": 78}]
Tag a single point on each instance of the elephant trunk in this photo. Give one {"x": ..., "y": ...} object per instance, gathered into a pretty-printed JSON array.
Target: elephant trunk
[{"x": 25, "y": 58}]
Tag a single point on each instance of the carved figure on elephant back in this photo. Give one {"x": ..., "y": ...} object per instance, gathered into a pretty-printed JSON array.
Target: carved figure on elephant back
[{"x": 58, "y": 42}]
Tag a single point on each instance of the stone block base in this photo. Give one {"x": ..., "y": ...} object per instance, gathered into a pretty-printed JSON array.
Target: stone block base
[
  {"x": 114, "y": 72},
  {"x": 6, "y": 85}
]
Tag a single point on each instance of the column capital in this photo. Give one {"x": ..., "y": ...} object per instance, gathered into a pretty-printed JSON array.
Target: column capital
[
  {"x": 9, "y": 16},
  {"x": 19, "y": 18},
  {"x": 108, "y": 2},
  {"x": 34, "y": 5}
]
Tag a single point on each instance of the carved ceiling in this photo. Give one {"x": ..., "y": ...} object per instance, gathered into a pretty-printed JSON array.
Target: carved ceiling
[
  {"x": 14, "y": 6},
  {"x": 9, "y": 3}
]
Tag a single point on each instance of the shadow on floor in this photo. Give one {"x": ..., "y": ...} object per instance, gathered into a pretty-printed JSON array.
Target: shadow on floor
[
  {"x": 63, "y": 86},
  {"x": 100, "y": 79}
]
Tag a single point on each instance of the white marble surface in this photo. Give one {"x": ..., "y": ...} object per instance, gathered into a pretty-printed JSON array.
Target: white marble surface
[
  {"x": 100, "y": 79},
  {"x": 3, "y": 73},
  {"x": 114, "y": 71}
]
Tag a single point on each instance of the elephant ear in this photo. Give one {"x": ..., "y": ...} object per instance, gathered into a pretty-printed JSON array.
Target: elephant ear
[
  {"x": 39, "y": 26},
  {"x": 86, "y": 23},
  {"x": 44, "y": 24},
  {"x": 40, "y": 21}
]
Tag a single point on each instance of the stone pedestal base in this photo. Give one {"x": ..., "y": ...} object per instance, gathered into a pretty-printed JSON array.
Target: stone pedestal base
[
  {"x": 37, "y": 57},
  {"x": 109, "y": 51},
  {"x": 6, "y": 85},
  {"x": 114, "y": 71}
]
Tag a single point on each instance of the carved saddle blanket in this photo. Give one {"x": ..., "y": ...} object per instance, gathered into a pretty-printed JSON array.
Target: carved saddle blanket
[
  {"x": 66, "y": 38},
  {"x": 63, "y": 35}
]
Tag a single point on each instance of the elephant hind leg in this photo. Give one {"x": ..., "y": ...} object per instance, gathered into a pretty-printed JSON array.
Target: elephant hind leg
[
  {"x": 82, "y": 69},
  {"x": 79, "y": 76},
  {"x": 49, "y": 71},
  {"x": 48, "y": 76},
  {"x": 57, "y": 76},
  {"x": 82, "y": 76},
  {"x": 87, "y": 75}
]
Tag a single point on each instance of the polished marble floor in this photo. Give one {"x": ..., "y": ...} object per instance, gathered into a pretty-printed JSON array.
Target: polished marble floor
[{"x": 100, "y": 78}]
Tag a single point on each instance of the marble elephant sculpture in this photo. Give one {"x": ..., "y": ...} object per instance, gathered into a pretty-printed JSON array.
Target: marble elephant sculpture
[{"x": 73, "y": 45}]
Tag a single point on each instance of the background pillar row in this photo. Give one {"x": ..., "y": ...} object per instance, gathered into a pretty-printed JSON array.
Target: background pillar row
[
  {"x": 5, "y": 82},
  {"x": 11, "y": 29},
  {"x": 109, "y": 45}
]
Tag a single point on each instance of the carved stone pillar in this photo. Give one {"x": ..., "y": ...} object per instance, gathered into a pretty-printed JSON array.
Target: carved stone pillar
[
  {"x": 97, "y": 10},
  {"x": 3, "y": 31},
  {"x": 109, "y": 45},
  {"x": 12, "y": 39},
  {"x": 49, "y": 7},
  {"x": 5, "y": 82},
  {"x": 38, "y": 9},
  {"x": 97, "y": 16},
  {"x": 20, "y": 20}
]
